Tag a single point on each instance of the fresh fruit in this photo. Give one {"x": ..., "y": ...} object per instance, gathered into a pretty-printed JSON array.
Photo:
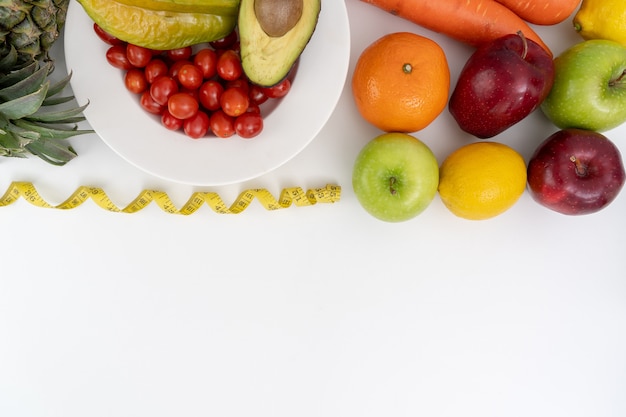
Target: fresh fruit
[
  {"x": 234, "y": 101},
  {"x": 589, "y": 89},
  {"x": 163, "y": 88},
  {"x": 473, "y": 22},
  {"x": 206, "y": 61},
  {"x": 227, "y": 42},
  {"x": 542, "y": 12},
  {"x": 248, "y": 125},
  {"x": 182, "y": 106},
  {"x": 190, "y": 76},
  {"x": 502, "y": 82},
  {"x": 157, "y": 29},
  {"x": 277, "y": 91},
  {"x": 395, "y": 177},
  {"x": 135, "y": 81},
  {"x": 186, "y": 86},
  {"x": 401, "y": 82},
  {"x": 482, "y": 180},
  {"x": 30, "y": 123},
  {"x": 138, "y": 56},
  {"x": 229, "y": 65},
  {"x": 30, "y": 27},
  {"x": 210, "y": 93},
  {"x": 116, "y": 56},
  {"x": 196, "y": 126},
  {"x": 575, "y": 172},
  {"x": 107, "y": 37},
  {"x": 273, "y": 34},
  {"x": 181, "y": 53},
  {"x": 170, "y": 122},
  {"x": 223, "y": 7},
  {"x": 602, "y": 19},
  {"x": 221, "y": 124}
]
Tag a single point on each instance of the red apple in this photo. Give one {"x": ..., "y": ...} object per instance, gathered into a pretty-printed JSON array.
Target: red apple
[
  {"x": 501, "y": 83},
  {"x": 575, "y": 172}
]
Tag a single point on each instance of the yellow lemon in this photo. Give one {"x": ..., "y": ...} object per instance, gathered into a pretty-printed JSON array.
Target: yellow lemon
[
  {"x": 602, "y": 19},
  {"x": 482, "y": 180}
]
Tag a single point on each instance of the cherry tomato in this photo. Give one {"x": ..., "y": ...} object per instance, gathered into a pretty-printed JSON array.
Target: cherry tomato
[
  {"x": 253, "y": 108},
  {"x": 229, "y": 65},
  {"x": 179, "y": 54},
  {"x": 226, "y": 42},
  {"x": 148, "y": 103},
  {"x": 241, "y": 83},
  {"x": 190, "y": 76},
  {"x": 116, "y": 56},
  {"x": 256, "y": 94},
  {"x": 193, "y": 93},
  {"x": 182, "y": 106},
  {"x": 234, "y": 101},
  {"x": 163, "y": 88},
  {"x": 248, "y": 125},
  {"x": 138, "y": 55},
  {"x": 177, "y": 65},
  {"x": 155, "y": 68},
  {"x": 135, "y": 81},
  {"x": 197, "y": 125},
  {"x": 206, "y": 60},
  {"x": 170, "y": 122},
  {"x": 209, "y": 94},
  {"x": 106, "y": 37},
  {"x": 221, "y": 124},
  {"x": 279, "y": 90}
]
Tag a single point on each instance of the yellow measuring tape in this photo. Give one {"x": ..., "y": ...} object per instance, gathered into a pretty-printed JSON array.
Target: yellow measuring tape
[{"x": 295, "y": 195}]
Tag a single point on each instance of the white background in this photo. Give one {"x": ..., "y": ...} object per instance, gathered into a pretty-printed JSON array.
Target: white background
[{"x": 309, "y": 311}]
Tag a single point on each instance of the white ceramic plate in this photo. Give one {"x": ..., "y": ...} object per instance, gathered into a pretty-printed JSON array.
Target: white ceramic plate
[{"x": 138, "y": 137}]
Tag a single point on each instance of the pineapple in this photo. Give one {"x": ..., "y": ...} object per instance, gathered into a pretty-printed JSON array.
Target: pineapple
[
  {"x": 30, "y": 120},
  {"x": 31, "y": 27}
]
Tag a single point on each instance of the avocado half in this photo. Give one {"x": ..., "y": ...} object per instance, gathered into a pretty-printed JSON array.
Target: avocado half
[{"x": 272, "y": 36}]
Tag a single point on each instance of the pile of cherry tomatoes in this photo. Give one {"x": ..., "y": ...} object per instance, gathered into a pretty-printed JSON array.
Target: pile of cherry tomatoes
[{"x": 200, "y": 91}]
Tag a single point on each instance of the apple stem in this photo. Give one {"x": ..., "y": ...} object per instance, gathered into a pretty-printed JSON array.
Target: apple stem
[
  {"x": 524, "y": 44},
  {"x": 392, "y": 183},
  {"x": 618, "y": 80},
  {"x": 581, "y": 169}
]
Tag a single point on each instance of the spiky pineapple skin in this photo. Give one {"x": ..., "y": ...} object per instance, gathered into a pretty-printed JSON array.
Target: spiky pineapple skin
[{"x": 31, "y": 26}]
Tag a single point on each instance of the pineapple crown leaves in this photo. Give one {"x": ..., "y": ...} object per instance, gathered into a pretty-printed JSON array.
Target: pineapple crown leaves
[
  {"x": 18, "y": 87},
  {"x": 26, "y": 123}
]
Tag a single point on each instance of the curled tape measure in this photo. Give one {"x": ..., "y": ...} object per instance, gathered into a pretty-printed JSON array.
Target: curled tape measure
[{"x": 295, "y": 195}]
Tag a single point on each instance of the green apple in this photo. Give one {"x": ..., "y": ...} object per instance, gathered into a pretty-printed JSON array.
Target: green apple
[
  {"x": 395, "y": 177},
  {"x": 589, "y": 90}
]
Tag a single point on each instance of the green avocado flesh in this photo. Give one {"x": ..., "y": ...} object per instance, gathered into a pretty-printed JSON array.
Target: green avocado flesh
[{"x": 268, "y": 58}]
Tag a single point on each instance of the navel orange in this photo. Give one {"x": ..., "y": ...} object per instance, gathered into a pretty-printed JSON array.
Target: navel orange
[{"x": 401, "y": 82}]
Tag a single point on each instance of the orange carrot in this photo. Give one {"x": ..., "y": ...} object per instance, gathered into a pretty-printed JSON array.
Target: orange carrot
[
  {"x": 473, "y": 22},
  {"x": 542, "y": 12}
]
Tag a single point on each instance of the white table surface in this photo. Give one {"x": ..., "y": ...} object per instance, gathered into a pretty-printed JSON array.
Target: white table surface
[{"x": 309, "y": 311}]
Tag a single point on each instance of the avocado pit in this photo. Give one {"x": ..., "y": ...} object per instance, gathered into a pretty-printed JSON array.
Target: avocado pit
[{"x": 277, "y": 17}]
